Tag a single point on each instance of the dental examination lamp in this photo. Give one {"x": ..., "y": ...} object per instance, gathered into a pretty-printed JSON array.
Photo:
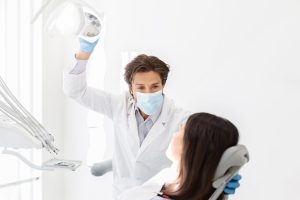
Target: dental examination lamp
[
  {"x": 20, "y": 130},
  {"x": 71, "y": 18}
]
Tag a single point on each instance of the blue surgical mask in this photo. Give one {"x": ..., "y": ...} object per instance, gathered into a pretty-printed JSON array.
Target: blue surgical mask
[{"x": 149, "y": 103}]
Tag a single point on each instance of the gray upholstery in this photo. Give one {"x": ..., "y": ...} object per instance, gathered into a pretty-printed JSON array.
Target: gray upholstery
[
  {"x": 230, "y": 163},
  {"x": 101, "y": 168}
]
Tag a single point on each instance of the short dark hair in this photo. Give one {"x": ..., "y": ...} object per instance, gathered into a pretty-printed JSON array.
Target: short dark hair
[
  {"x": 145, "y": 63},
  {"x": 205, "y": 139}
]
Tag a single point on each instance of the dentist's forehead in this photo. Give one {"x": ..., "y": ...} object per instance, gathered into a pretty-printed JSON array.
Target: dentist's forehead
[{"x": 146, "y": 78}]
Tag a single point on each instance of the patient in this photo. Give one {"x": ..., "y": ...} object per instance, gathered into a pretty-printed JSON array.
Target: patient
[{"x": 195, "y": 150}]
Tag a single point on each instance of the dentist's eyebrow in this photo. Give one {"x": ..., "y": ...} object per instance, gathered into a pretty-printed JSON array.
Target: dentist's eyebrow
[{"x": 145, "y": 84}]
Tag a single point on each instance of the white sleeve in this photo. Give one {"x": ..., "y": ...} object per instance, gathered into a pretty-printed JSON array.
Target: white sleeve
[
  {"x": 79, "y": 67},
  {"x": 75, "y": 86}
]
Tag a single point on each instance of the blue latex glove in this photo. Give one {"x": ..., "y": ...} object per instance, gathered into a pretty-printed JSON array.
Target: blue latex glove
[
  {"x": 86, "y": 46},
  {"x": 232, "y": 184}
]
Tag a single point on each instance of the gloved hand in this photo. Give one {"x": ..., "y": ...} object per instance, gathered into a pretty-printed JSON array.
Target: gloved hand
[
  {"x": 232, "y": 184},
  {"x": 86, "y": 46}
]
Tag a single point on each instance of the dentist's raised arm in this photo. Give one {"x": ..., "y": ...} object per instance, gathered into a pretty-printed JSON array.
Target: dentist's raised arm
[{"x": 75, "y": 85}]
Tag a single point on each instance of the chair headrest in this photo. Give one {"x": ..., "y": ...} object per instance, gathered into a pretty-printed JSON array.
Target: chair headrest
[{"x": 231, "y": 161}]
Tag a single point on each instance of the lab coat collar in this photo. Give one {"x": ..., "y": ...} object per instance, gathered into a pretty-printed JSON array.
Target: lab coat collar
[{"x": 132, "y": 127}]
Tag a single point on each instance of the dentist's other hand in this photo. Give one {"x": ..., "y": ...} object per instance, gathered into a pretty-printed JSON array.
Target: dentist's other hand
[
  {"x": 86, "y": 46},
  {"x": 232, "y": 184}
]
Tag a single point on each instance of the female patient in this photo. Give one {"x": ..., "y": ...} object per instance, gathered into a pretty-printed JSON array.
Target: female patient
[{"x": 195, "y": 150}]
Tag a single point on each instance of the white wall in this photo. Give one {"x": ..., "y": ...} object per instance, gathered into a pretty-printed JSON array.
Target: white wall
[
  {"x": 52, "y": 182},
  {"x": 237, "y": 59}
]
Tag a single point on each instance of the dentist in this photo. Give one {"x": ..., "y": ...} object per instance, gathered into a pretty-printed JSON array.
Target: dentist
[{"x": 144, "y": 117}]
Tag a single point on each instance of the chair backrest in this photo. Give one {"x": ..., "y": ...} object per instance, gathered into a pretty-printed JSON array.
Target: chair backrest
[{"x": 229, "y": 165}]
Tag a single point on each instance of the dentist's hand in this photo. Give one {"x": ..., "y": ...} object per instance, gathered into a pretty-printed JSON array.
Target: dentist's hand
[
  {"x": 86, "y": 48},
  {"x": 232, "y": 184}
]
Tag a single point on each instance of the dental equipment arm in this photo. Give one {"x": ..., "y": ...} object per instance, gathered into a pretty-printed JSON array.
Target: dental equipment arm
[
  {"x": 231, "y": 162},
  {"x": 19, "y": 129},
  {"x": 18, "y": 115}
]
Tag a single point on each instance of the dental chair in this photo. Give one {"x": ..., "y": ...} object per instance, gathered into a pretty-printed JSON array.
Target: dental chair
[{"x": 230, "y": 163}]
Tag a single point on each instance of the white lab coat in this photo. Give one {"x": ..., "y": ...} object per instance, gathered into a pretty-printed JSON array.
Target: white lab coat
[
  {"x": 150, "y": 189},
  {"x": 132, "y": 164}
]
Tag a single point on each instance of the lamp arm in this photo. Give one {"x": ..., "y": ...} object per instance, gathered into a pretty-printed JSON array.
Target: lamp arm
[{"x": 39, "y": 12}]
